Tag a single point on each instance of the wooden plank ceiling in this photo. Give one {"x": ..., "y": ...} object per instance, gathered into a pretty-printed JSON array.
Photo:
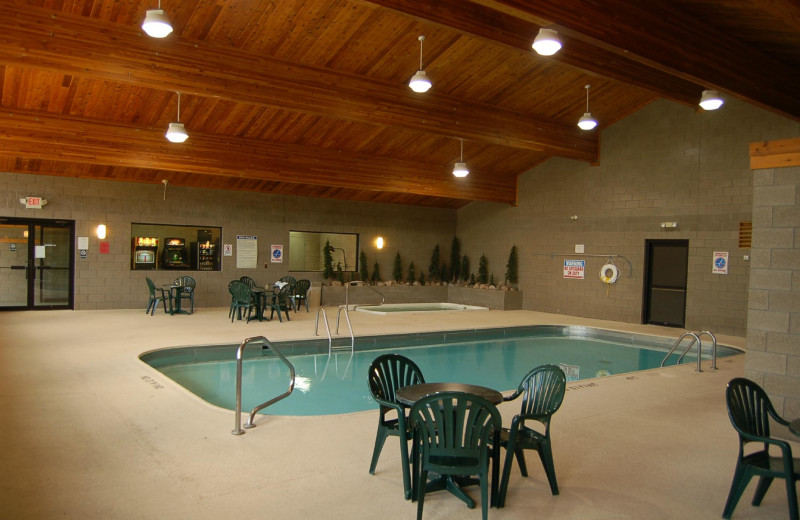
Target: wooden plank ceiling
[{"x": 310, "y": 97}]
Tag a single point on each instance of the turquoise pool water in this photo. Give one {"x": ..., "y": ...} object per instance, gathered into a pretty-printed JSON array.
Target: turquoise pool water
[
  {"x": 335, "y": 384},
  {"x": 417, "y": 307}
]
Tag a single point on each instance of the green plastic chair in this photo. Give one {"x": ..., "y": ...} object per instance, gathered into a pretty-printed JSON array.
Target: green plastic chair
[
  {"x": 187, "y": 285},
  {"x": 300, "y": 293},
  {"x": 453, "y": 435},
  {"x": 249, "y": 281},
  {"x": 157, "y": 294},
  {"x": 388, "y": 373},
  {"x": 282, "y": 301},
  {"x": 749, "y": 410},
  {"x": 542, "y": 390},
  {"x": 241, "y": 299}
]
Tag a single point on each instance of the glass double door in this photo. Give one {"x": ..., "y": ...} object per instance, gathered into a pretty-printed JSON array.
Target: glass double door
[{"x": 36, "y": 264}]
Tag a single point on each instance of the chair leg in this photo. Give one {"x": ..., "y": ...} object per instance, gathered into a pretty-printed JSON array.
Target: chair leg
[
  {"x": 523, "y": 468},
  {"x": 761, "y": 490},
  {"x": 405, "y": 463},
  {"x": 791, "y": 492},
  {"x": 546, "y": 455},
  {"x": 380, "y": 439},
  {"x": 741, "y": 477},
  {"x": 423, "y": 478},
  {"x": 501, "y": 495}
]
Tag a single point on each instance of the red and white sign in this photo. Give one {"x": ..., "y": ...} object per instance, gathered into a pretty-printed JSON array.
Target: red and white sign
[{"x": 33, "y": 202}]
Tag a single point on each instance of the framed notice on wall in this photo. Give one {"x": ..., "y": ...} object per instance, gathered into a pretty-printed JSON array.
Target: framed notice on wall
[{"x": 246, "y": 251}]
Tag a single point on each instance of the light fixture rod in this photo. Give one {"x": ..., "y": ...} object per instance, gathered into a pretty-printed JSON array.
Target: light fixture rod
[
  {"x": 179, "y": 102},
  {"x": 421, "y": 39},
  {"x": 587, "y": 97},
  {"x": 462, "y": 150}
]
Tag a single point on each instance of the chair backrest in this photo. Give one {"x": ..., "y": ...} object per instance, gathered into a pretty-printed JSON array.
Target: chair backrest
[
  {"x": 150, "y": 286},
  {"x": 749, "y": 408},
  {"x": 301, "y": 288},
  {"x": 249, "y": 281},
  {"x": 388, "y": 372},
  {"x": 282, "y": 298},
  {"x": 240, "y": 292},
  {"x": 542, "y": 390},
  {"x": 187, "y": 282},
  {"x": 288, "y": 279},
  {"x": 454, "y": 429}
]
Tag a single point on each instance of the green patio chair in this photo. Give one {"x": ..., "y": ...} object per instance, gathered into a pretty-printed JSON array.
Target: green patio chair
[
  {"x": 387, "y": 373},
  {"x": 157, "y": 294},
  {"x": 187, "y": 285},
  {"x": 453, "y": 435},
  {"x": 300, "y": 293},
  {"x": 750, "y": 410},
  {"x": 281, "y": 301},
  {"x": 542, "y": 390},
  {"x": 241, "y": 300}
]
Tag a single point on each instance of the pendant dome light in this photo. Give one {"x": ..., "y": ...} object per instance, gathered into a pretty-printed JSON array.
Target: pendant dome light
[
  {"x": 546, "y": 42},
  {"x": 587, "y": 122},
  {"x": 156, "y": 24},
  {"x": 419, "y": 81},
  {"x": 176, "y": 132},
  {"x": 711, "y": 100},
  {"x": 460, "y": 169}
]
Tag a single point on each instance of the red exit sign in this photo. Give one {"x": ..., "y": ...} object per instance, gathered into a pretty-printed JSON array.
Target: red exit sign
[{"x": 33, "y": 202}]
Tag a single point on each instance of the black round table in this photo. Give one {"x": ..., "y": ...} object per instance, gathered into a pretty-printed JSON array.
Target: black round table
[{"x": 409, "y": 395}]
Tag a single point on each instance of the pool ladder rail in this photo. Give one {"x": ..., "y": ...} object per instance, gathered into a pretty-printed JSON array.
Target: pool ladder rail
[
  {"x": 330, "y": 338},
  {"x": 695, "y": 339},
  {"x": 266, "y": 344}
]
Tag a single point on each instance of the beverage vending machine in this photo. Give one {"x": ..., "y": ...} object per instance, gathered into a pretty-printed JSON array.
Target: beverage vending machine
[{"x": 205, "y": 256}]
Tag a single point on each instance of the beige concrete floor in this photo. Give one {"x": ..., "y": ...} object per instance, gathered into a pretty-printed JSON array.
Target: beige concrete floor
[{"x": 88, "y": 431}]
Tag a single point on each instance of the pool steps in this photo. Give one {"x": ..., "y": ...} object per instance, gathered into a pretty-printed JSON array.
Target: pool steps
[{"x": 695, "y": 339}]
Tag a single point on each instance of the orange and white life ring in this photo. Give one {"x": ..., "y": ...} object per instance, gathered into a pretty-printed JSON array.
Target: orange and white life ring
[{"x": 609, "y": 273}]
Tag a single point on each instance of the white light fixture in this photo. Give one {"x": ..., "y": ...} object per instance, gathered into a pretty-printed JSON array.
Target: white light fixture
[
  {"x": 587, "y": 122},
  {"x": 379, "y": 242},
  {"x": 176, "y": 133},
  {"x": 101, "y": 231},
  {"x": 460, "y": 169},
  {"x": 546, "y": 42},
  {"x": 710, "y": 100},
  {"x": 419, "y": 81},
  {"x": 156, "y": 24}
]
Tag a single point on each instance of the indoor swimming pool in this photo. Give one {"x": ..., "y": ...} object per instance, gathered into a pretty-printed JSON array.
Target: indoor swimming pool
[
  {"x": 417, "y": 307},
  {"x": 337, "y": 383}
]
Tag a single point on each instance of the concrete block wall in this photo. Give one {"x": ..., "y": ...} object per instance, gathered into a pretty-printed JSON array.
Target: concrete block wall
[
  {"x": 773, "y": 336},
  {"x": 107, "y": 282},
  {"x": 665, "y": 163}
]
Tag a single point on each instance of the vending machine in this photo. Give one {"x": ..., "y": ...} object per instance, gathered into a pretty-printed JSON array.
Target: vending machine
[
  {"x": 205, "y": 256},
  {"x": 144, "y": 253}
]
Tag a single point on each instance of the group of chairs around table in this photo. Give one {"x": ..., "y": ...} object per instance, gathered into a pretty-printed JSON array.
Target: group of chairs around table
[
  {"x": 458, "y": 434},
  {"x": 248, "y": 300},
  {"x": 184, "y": 288}
]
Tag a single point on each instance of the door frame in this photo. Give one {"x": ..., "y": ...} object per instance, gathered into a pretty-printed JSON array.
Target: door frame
[{"x": 30, "y": 262}]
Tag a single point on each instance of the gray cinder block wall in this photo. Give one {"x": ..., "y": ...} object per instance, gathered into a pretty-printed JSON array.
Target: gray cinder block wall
[
  {"x": 665, "y": 163},
  {"x": 773, "y": 335},
  {"x": 105, "y": 281}
]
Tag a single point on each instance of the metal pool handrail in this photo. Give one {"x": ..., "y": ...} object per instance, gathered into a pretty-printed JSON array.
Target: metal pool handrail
[
  {"x": 239, "y": 353},
  {"x": 695, "y": 339},
  {"x": 361, "y": 283}
]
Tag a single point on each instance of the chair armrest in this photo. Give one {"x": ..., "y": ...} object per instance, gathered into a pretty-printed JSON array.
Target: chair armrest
[{"x": 513, "y": 396}]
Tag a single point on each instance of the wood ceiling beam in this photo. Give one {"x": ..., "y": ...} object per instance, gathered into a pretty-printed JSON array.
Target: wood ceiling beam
[
  {"x": 656, "y": 33},
  {"x": 39, "y": 135},
  {"x": 496, "y": 26},
  {"x": 33, "y": 37}
]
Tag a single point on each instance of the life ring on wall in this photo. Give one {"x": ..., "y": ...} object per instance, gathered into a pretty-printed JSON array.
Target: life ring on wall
[{"x": 609, "y": 273}]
